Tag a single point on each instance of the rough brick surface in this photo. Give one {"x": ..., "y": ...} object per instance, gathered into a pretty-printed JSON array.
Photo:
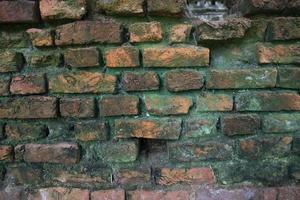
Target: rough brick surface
[
  {"x": 140, "y": 81},
  {"x": 180, "y": 33},
  {"x": 84, "y": 57},
  {"x": 214, "y": 102},
  {"x": 77, "y": 107},
  {"x": 4, "y": 86},
  {"x": 117, "y": 194},
  {"x": 133, "y": 176},
  {"x": 10, "y": 61},
  {"x": 284, "y": 28},
  {"x": 6, "y": 153},
  {"x": 44, "y": 59},
  {"x": 150, "y": 194},
  {"x": 288, "y": 78},
  {"x": 61, "y": 193},
  {"x": 199, "y": 126},
  {"x": 281, "y": 123},
  {"x": 40, "y": 37},
  {"x": 25, "y": 131},
  {"x": 167, "y": 8},
  {"x": 122, "y": 57},
  {"x": 145, "y": 32},
  {"x": 119, "y": 7},
  {"x": 91, "y": 130},
  {"x": 28, "y": 84}
]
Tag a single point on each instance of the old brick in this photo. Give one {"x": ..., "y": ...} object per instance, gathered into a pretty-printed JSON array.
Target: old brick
[
  {"x": 119, "y": 105},
  {"x": 12, "y": 193},
  {"x": 77, "y": 107},
  {"x": 289, "y": 192},
  {"x": 122, "y": 57},
  {"x": 267, "y": 101},
  {"x": 194, "y": 127},
  {"x": 222, "y": 30},
  {"x": 86, "y": 32},
  {"x": 4, "y": 86},
  {"x": 183, "y": 80},
  {"x": 278, "y": 54},
  {"x": 18, "y": 11},
  {"x": 167, "y": 105},
  {"x": 62, "y": 9},
  {"x": 44, "y": 59},
  {"x": 31, "y": 107},
  {"x": 296, "y": 145},
  {"x": 133, "y": 176},
  {"x": 91, "y": 130},
  {"x": 185, "y": 56},
  {"x": 214, "y": 102},
  {"x": 25, "y": 131},
  {"x": 10, "y": 61},
  {"x": 172, "y": 8},
  {"x": 293, "y": 6},
  {"x": 145, "y": 32},
  {"x": 163, "y": 128},
  {"x": 6, "y": 153},
  {"x": 257, "y": 148},
  {"x": 64, "y": 153},
  {"x": 284, "y": 28},
  {"x": 13, "y": 39},
  {"x": 190, "y": 151},
  {"x": 84, "y": 57},
  {"x": 180, "y": 33},
  {"x": 251, "y": 7},
  {"x": 144, "y": 81},
  {"x": 24, "y": 174},
  {"x": 119, "y": 7},
  {"x": 201, "y": 175},
  {"x": 54, "y": 193},
  {"x": 28, "y": 84},
  {"x": 82, "y": 82},
  {"x": 289, "y": 78},
  {"x": 242, "y": 78},
  {"x": 281, "y": 123},
  {"x": 113, "y": 194},
  {"x": 158, "y": 194},
  {"x": 240, "y": 124},
  {"x": 40, "y": 37}
]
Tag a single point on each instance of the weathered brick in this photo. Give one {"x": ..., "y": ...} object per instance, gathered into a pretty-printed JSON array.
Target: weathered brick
[
  {"x": 31, "y": 107},
  {"x": 289, "y": 78},
  {"x": 6, "y": 153},
  {"x": 82, "y": 82},
  {"x": 119, "y": 7},
  {"x": 138, "y": 176},
  {"x": 296, "y": 145},
  {"x": 91, "y": 130},
  {"x": 290, "y": 192},
  {"x": 28, "y": 84},
  {"x": 208, "y": 150},
  {"x": 144, "y": 81},
  {"x": 214, "y": 102},
  {"x": 172, "y": 8},
  {"x": 242, "y": 78},
  {"x": 251, "y": 7},
  {"x": 54, "y": 193},
  {"x": 83, "y": 57},
  {"x": 86, "y": 32},
  {"x": 158, "y": 194},
  {"x": 22, "y": 174},
  {"x": 293, "y": 6},
  {"x": 170, "y": 176},
  {"x": 122, "y": 57},
  {"x": 222, "y": 30},
  {"x": 64, "y": 153},
  {"x": 13, "y": 193},
  {"x": 113, "y": 194},
  {"x": 10, "y": 61},
  {"x": 119, "y": 105},
  {"x": 240, "y": 124},
  {"x": 183, "y": 80},
  {"x": 284, "y": 28},
  {"x": 162, "y": 128},
  {"x": 194, "y": 127},
  {"x": 77, "y": 107},
  {"x": 278, "y": 54},
  {"x": 25, "y": 131},
  {"x": 145, "y": 32},
  {"x": 185, "y": 56},
  {"x": 4, "y": 86},
  {"x": 180, "y": 33},
  {"x": 19, "y": 11},
  {"x": 13, "y": 39},
  {"x": 258, "y": 148},
  {"x": 44, "y": 59},
  {"x": 62, "y": 9},
  {"x": 167, "y": 105},
  {"x": 281, "y": 123},
  {"x": 40, "y": 37},
  {"x": 267, "y": 101}
]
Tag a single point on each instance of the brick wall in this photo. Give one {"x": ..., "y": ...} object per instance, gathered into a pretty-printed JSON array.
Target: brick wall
[{"x": 129, "y": 99}]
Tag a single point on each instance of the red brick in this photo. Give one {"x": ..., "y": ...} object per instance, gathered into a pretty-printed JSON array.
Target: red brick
[
  {"x": 288, "y": 193},
  {"x": 170, "y": 176},
  {"x": 284, "y": 28},
  {"x": 194, "y": 127},
  {"x": 10, "y": 61},
  {"x": 171, "y": 8},
  {"x": 18, "y": 11},
  {"x": 31, "y": 107},
  {"x": 25, "y": 131},
  {"x": 55, "y": 193},
  {"x": 28, "y": 84},
  {"x": 214, "y": 102},
  {"x": 44, "y": 59},
  {"x": 133, "y": 176},
  {"x": 119, "y": 105},
  {"x": 119, "y": 7},
  {"x": 122, "y": 57},
  {"x": 86, "y": 32},
  {"x": 91, "y": 130},
  {"x": 40, "y": 37},
  {"x": 140, "y": 81},
  {"x": 84, "y": 57},
  {"x": 77, "y": 107},
  {"x": 4, "y": 86},
  {"x": 63, "y": 153},
  {"x": 113, "y": 194},
  {"x": 180, "y": 33},
  {"x": 145, "y": 32},
  {"x": 6, "y": 153},
  {"x": 251, "y": 7},
  {"x": 158, "y": 194}
]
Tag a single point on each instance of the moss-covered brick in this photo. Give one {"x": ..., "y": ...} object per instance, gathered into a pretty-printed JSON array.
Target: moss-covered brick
[
  {"x": 183, "y": 56},
  {"x": 145, "y": 32},
  {"x": 133, "y": 177},
  {"x": 31, "y": 107},
  {"x": 289, "y": 78},
  {"x": 214, "y": 102},
  {"x": 82, "y": 57},
  {"x": 4, "y": 86},
  {"x": 281, "y": 123},
  {"x": 120, "y": 7},
  {"x": 25, "y": 131},
  {"x": 267, "y": 101},
  {"x": 40, "y": 37},
  {"x": 60, "y": 193},
  {"x": 6, "y": 153},
  {"x": 82, "y": 82},
  {"x": 242, "y": 78},
  {"x": 195, "y": 127},
  {"x": 171, "y": 8},
  {"x": 91, "y": 130},
  {"x": 167, "y": 105},
  {"x": 180, "y": 33},
  {"x": 284, "y": 28},
  {"x": 37, "y": 59},
  {"x": 143, "y": 81},
  {"x": 77, "y": 107},
  {"x": 13, "y": 39},
  {"x": 10, "y": 61},
  {"x": 163, "y": 128},
  {"x": 28, "y": 84},
  {"x": 24, "y": 174},
  {"x": 122, "y": 57}
]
